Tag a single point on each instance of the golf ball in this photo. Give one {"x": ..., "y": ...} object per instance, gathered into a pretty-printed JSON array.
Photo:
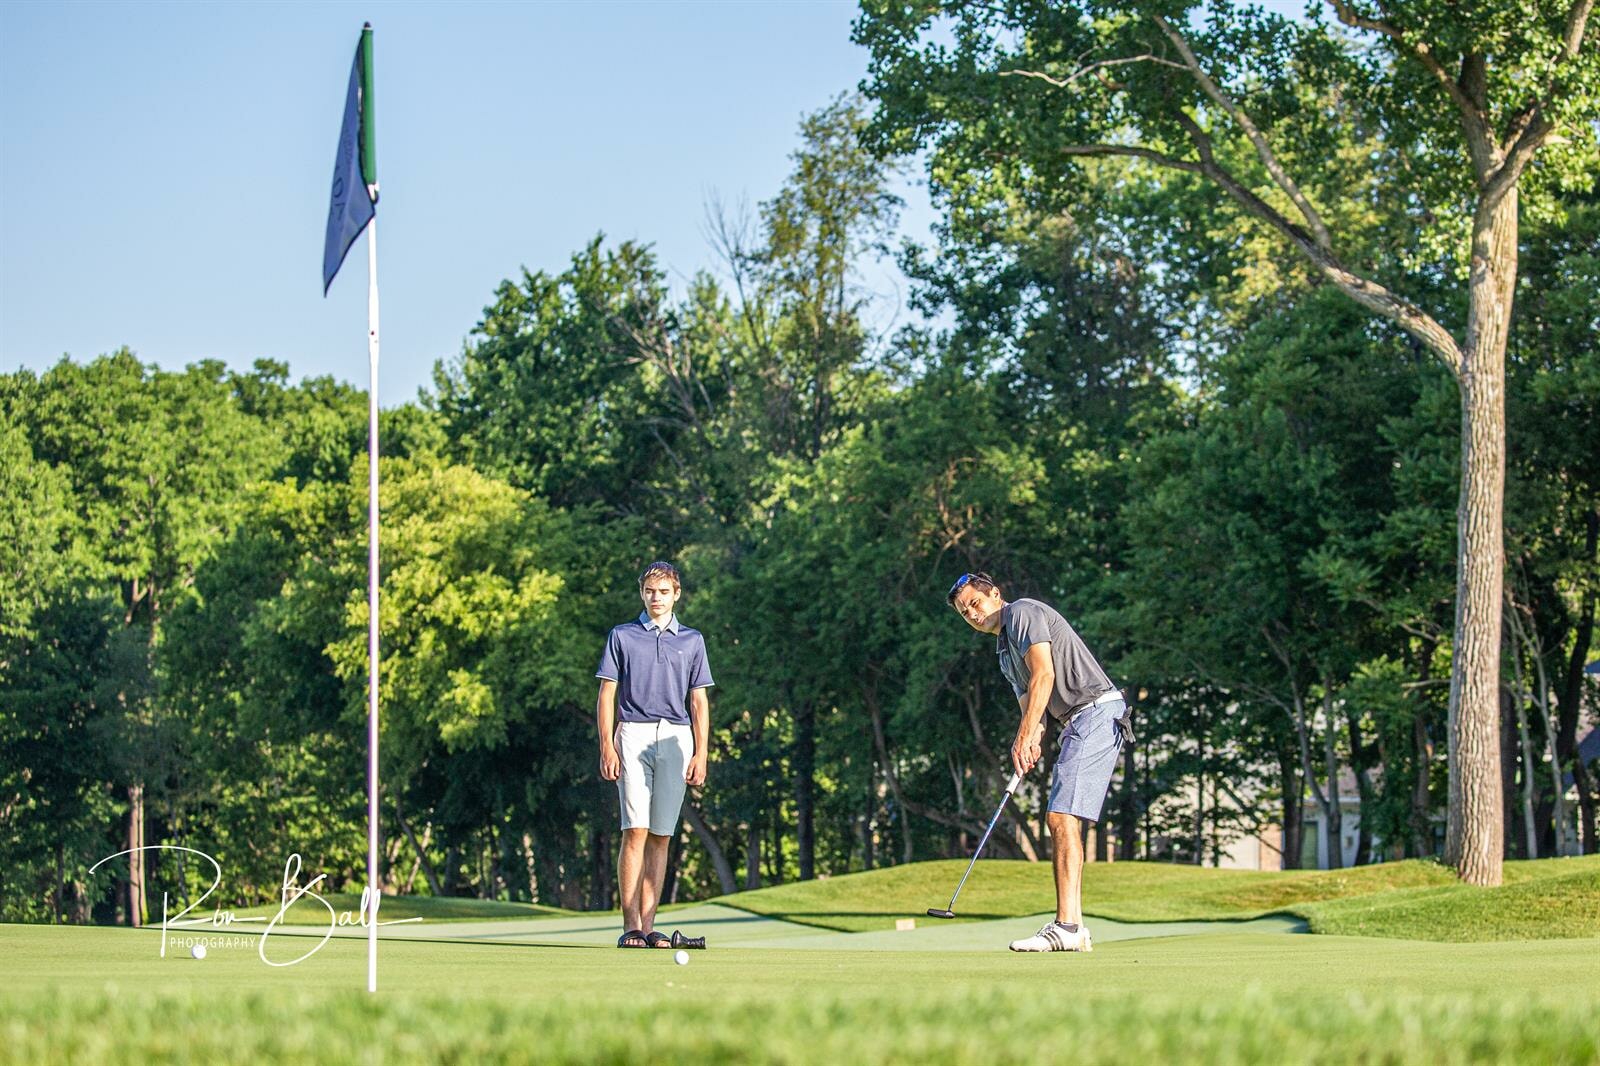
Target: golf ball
[
  {"x": 681, "y": 958},
  {"x": 198, "y": 951}
]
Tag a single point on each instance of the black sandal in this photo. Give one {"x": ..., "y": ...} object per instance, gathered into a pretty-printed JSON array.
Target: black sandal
[
  {"x": 681, "y": 941},
  {"x": 633, "y": 935},
  {"x": 656, "y": 939}
]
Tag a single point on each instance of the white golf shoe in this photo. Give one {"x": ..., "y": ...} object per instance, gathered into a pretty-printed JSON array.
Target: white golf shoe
[{"x": 1056, "y": 936}]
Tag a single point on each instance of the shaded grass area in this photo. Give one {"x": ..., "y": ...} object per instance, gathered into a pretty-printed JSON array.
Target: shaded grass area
[
  {"x": 71, "y": 995},
  {"x": 307, "y": 911},
  {"x": 1542, "y": 899}
]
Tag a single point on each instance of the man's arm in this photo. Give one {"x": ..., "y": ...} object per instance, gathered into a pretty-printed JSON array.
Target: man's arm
[
  {"x": 605, "y": 721},
  {"x": 1026, "y": 749},
  {"x": 700, "y": 723}
]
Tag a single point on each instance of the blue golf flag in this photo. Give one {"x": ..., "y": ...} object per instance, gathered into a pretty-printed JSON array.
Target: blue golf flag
[{"x": 355, "y": 170}]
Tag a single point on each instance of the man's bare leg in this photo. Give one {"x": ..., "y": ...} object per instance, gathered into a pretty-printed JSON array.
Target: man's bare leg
[
  {"x": 654, "y": 873},
  {"x": 630, "y": 868},
  {"x": 1066, "y": 846}
]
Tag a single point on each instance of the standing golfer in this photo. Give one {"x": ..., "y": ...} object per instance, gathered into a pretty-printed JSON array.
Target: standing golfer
[
  {"x": 1050, "y": 670},
  {"x": 653, "y": 676}
]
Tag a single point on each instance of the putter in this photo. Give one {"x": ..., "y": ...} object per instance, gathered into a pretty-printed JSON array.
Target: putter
[{"x": 950, "y": 911}]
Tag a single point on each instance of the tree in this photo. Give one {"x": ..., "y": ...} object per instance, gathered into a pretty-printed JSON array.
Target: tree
[
  {"x": 1242, "y": 100},
  {"x": 157, "y": 463}
]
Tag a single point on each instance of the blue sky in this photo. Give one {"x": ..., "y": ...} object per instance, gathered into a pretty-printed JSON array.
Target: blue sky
[{"x": 164, "y": 167}]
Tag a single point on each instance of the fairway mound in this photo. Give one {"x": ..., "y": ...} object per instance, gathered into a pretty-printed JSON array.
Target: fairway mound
[
  {"x": 1555, "y": 899},
  {"x": 1128, "y": 892},
  {"x": 1414, "y": 899}
]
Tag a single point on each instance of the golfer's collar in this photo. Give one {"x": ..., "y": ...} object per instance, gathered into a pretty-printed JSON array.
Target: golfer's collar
[
  {"x": 1000, "y": 634},
  {"x": 670, "y": 627}
]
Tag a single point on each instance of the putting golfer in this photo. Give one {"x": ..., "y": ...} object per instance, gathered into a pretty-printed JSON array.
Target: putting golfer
[
  {"x": 1052, "y": 672},
  {"x": 653, "y": 677}
]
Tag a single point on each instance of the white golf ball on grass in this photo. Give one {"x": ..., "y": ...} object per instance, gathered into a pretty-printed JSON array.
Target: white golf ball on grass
[
  {"x": 681, "y": 958},
  {"x": 198, "y": 951}
]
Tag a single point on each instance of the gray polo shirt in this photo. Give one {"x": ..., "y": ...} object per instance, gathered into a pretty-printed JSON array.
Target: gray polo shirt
[
  {"x": 1079, "y": 678},
  {"x": 655, "y": 669}
]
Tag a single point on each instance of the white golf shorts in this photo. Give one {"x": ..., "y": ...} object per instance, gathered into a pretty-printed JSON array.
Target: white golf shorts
[{"x": 654, "y": 756}]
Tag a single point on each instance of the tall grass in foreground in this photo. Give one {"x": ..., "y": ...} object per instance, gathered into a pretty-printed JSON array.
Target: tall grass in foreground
[{"x": 974, "y": 1026}]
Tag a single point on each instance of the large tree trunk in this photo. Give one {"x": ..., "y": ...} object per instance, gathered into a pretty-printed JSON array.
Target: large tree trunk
[{"x": 1474, "y": 832}]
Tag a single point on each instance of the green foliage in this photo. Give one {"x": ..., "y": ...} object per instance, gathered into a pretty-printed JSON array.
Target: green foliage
[{"x": 1136, "y": 404}]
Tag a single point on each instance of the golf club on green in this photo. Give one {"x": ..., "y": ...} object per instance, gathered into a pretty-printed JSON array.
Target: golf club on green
[{"x": 950, "y": 911}]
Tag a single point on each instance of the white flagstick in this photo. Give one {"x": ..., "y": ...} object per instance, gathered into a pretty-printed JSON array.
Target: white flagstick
[{"x": 372, "y": 607}]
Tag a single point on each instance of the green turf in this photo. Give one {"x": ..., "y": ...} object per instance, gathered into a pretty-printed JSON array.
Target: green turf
[
  {"x": 307, "y": 911},
  {"x": 1564, "y": 901},
  {"x": 1544, "y": 899},
  {"x": 96, "y": 995}
]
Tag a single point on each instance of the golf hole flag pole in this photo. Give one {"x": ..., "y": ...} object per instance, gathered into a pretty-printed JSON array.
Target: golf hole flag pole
[{"x": 352, "y": 208}]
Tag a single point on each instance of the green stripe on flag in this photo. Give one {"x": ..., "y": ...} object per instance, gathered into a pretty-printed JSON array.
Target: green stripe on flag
[{"x": 369, "y": 137}]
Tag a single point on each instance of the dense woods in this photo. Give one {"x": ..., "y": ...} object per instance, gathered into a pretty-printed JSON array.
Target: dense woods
[{"x": 1183, "y": 372}]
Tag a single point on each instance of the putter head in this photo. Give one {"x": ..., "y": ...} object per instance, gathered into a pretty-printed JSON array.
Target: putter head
[{"x": 933, "y": 913}]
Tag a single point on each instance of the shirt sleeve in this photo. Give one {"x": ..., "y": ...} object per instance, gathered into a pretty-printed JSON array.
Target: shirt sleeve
[
  {"x": 610, "y": 668},
  {"x": 700, "y": 675},
  {"x": 1030, "y": 626}
]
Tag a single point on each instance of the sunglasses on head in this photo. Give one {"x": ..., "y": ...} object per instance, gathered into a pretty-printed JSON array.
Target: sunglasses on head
[{"x": 961, "y": 583}]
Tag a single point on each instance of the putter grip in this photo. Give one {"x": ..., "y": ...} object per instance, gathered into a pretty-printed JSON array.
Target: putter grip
[{"x": 1016, "y": 779}]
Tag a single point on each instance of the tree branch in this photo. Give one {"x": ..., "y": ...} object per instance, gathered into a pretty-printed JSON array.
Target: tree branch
[
  {"x": 1092, "y": 68},
  {"x": 1473, "y": 120},
  {"x": 1530, "y": 129},
  {"x": 1133, "y": 151},
  {"x": 1269, "y": 159},
  {"x": 1369, "y": 294},
  {"x": 1577, "y": 18}
]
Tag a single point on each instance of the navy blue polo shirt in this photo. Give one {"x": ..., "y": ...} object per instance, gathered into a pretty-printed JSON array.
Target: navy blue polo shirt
[{"x": 655, "y": 669}]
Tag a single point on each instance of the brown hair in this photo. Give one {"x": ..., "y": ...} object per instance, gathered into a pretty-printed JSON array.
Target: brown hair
[
  {"x": 980, "y": 581},
  {"x": 661, "y": 569}
]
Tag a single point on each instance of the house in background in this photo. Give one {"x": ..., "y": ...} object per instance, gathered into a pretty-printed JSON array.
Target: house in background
[
  {"x": 1259, "y": 851},
  {"x": 1316, "y": 848}
]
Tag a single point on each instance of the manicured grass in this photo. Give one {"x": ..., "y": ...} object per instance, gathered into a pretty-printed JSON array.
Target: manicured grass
[
  {"x": 1563, "y": 902},
  {"x": 1544, "y": 899},
  {"x": 92, "y": 995},
  {"x": 306, "y": 911}
]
